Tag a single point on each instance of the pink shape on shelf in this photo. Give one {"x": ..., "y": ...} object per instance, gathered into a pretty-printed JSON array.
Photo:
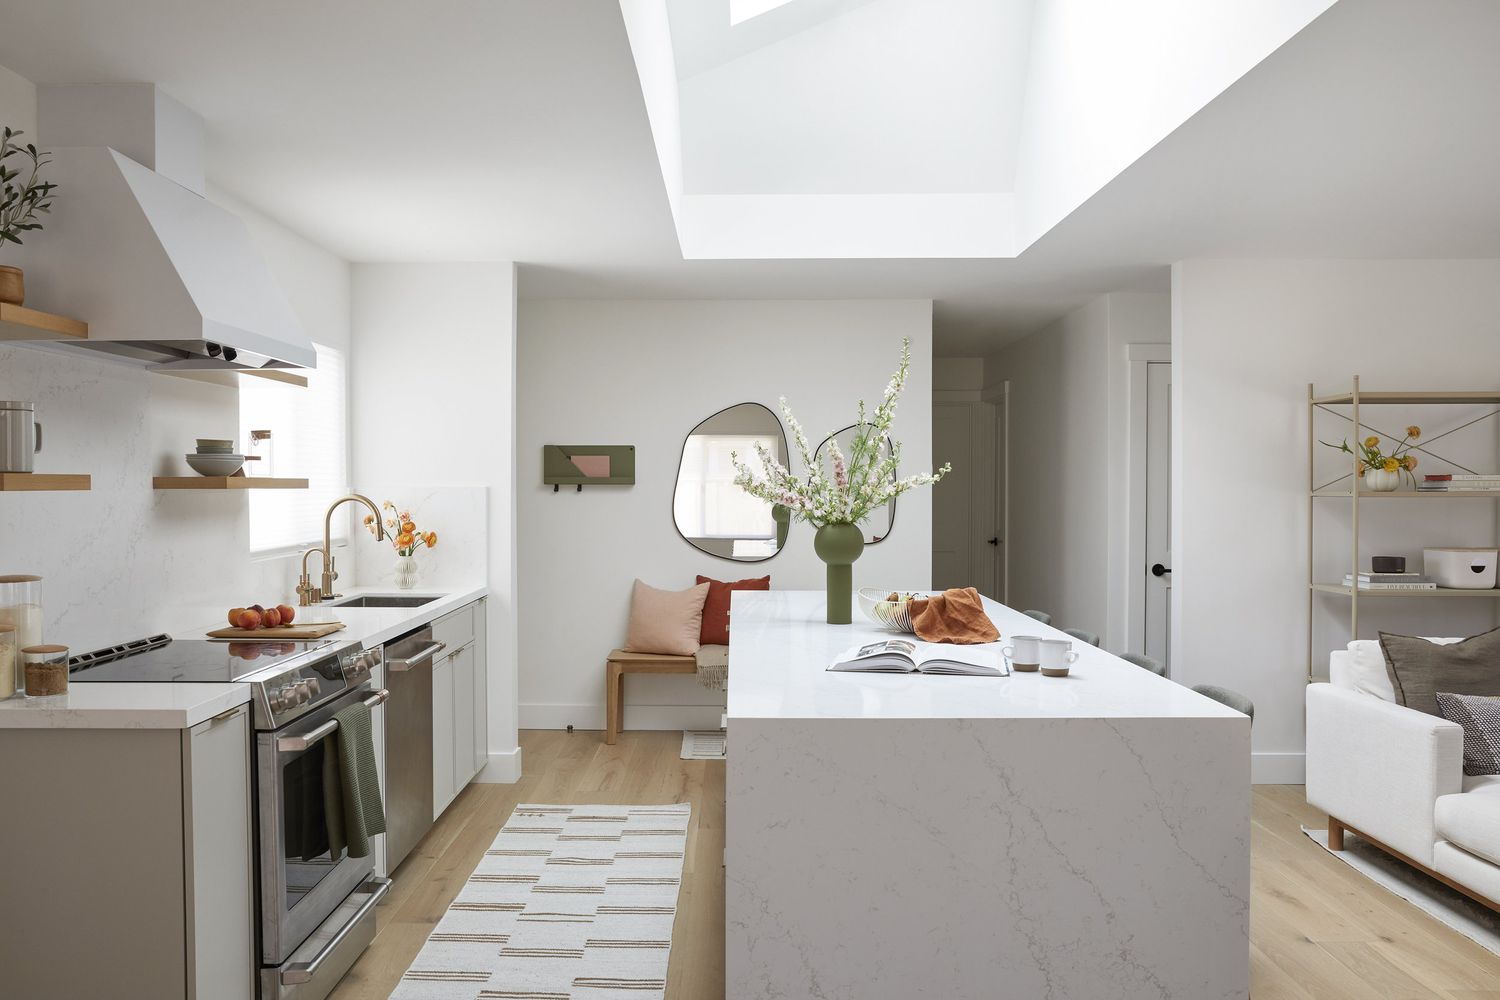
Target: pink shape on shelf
[{"x": 593, "y": 466}]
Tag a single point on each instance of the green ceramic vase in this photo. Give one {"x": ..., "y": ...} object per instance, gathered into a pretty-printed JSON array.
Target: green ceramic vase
[{"x": 839, "y": 545}]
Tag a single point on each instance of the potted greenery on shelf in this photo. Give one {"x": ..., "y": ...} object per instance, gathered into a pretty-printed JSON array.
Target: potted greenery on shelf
[
  {"x": 837, "y": 496},
  {"x": 20, "y": 204}
]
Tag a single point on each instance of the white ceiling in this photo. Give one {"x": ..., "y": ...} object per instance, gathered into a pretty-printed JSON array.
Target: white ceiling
[{"x": 518, "y": 131}]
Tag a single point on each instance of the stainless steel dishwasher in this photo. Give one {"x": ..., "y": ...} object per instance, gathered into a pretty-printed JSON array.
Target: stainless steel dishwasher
[{"x": 408, "y": 741}]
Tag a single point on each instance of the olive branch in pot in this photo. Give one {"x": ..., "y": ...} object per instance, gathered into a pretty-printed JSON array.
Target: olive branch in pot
[{"x": 21, "y": 202}]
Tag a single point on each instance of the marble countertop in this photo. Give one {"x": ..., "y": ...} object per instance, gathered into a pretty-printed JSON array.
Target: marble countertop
[
  {"x": 179, "y": 706},
  {"x": 780, "y": 647}
]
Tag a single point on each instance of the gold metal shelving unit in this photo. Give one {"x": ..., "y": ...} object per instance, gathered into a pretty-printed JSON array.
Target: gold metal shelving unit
[{"x": 1347, "y": 406}]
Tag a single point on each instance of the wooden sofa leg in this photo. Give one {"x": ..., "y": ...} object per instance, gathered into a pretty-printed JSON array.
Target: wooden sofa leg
[
  {"x": 612, "y": 685},
  {"x": 1335, "y": 835}
]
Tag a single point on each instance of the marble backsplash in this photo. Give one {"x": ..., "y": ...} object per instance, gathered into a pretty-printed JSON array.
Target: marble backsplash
[
  {"x": 459, "y": 515},
  {"x": 122, "y": 560}
]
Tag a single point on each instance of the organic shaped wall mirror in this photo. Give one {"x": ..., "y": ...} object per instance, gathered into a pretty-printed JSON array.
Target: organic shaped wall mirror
[
  {"x": 713, "y": 514},
  {"x": 882, "y": 519}
]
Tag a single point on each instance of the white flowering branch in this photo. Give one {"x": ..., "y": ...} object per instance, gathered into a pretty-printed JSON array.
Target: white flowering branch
[{"x": 841, "y": 489}]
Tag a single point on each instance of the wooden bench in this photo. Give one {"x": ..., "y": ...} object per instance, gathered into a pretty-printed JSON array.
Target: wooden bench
[{"x": 621, "y": 663}]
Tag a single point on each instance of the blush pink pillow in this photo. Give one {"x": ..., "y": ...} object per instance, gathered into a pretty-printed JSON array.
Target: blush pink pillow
[{"x": 665, "y": 621}]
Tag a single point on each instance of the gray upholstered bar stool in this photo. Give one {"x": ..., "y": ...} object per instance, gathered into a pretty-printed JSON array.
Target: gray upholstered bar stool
[
  {"x": 1040, "y": 616},
  {"x": 1145, "y": 662},
  {"x": 1083, "y": 635},
  {"x": 1224, "y": 696}
]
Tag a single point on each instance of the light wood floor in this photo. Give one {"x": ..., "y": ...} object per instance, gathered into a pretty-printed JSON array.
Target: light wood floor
[{"x": 1318, "y": 930}]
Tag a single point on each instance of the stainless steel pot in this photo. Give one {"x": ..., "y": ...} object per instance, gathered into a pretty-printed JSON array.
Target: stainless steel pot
[{"x": 20, "y": 436}]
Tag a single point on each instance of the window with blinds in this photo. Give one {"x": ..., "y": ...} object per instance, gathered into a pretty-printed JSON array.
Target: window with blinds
[{"x": 309, "y": 440}]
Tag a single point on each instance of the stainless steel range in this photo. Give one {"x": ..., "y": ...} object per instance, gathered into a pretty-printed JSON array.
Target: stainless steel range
[{"x": 316, "y": 910}]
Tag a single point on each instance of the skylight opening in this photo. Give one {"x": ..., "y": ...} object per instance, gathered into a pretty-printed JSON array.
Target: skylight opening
[{"x": 744, "y": 10}]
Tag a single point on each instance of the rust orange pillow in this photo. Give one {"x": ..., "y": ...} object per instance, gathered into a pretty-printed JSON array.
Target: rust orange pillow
[{"x": 716, "y": 607}]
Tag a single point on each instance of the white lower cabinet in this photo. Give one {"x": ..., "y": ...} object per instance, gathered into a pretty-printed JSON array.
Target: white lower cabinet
[
  {"x": 460, "y": 719},
  {"x": 129, "y": 871},
  {"x": 442, "y": 734}
]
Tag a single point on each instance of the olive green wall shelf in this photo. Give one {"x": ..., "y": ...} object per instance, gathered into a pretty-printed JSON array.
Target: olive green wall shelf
[{"x": 583, "y": 465}]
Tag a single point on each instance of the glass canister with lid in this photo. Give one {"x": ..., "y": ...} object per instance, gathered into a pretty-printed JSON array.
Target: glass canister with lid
[
  {"x": 21, "y": 608},
  {"x": 46, "y": 670},
  {"x": 7, "y": 661}
]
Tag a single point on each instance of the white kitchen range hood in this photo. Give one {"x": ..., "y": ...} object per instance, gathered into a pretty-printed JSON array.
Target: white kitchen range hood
[{"x": 166, "y": 278}]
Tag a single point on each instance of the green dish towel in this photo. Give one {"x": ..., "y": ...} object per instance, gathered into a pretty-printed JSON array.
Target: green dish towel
[{"x": 351, "y": 785}]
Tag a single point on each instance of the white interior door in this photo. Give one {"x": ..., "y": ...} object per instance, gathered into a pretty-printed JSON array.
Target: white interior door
[
  {"x": 963, "y": 507},
  {"x": 952, "y": 499},
  {"x": 1158, "y": 562}
]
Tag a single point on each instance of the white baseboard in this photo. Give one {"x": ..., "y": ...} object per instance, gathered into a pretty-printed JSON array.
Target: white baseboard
[
  {"x": 1278, "y": 769},
  {"x": 591, "y": 716},
  {"x": 504, "y": 768}
]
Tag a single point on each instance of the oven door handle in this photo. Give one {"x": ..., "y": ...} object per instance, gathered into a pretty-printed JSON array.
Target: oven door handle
[
  {"x": 290, "y": 744},
  {"x": 303, "y": 972},
  {"x": 425, "y": 656}
]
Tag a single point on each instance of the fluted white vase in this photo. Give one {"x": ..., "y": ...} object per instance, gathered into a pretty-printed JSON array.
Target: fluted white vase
[
  {"x": 1381, "y": 481},
  {"x": 406, "y": 572}
]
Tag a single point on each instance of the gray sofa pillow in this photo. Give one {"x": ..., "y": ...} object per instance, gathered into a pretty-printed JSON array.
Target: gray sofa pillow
[
  {"x": 1420, "y": 669},
  {"x": 1480, "y": 718}
]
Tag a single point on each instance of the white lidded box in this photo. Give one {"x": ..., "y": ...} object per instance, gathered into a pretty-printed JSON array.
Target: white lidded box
[{"x": 1461, "y": 569}]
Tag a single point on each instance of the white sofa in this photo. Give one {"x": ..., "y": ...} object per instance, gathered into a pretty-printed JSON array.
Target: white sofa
[{"x": 1395, "y": 777}]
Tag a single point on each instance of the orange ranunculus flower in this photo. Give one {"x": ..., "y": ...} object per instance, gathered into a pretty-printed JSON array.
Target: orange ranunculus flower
[
  {"x": 431, "y": 539},
  {"x": 1414, "y": 432},
  {"x": 1391, "y": 465},
  {"x": 1371, "y": 441},
  {"x": 404, "y": 541},
  {"x": 1411, "y": 462},
  {"x": 407, "y": 527}
]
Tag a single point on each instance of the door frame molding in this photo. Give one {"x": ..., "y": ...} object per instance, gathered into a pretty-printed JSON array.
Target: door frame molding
[
  {"x": 998, "y": 396},
  {"x": 1138, "y": 356}
]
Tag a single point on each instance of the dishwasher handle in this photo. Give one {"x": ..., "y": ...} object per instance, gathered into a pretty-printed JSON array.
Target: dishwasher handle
[{"x": 410, "y": 662}]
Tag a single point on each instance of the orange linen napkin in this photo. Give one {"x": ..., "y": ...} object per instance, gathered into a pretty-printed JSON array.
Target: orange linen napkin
[{"x": 955, "y": 616}]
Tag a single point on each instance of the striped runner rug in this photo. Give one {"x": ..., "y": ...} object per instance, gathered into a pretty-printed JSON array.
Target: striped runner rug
[{"x": 569, "y": 903}]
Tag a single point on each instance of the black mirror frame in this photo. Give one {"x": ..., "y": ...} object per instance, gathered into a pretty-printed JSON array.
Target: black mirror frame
[
  {"x": 786, "y": 447},
  {"x": 817, "y": 456}
]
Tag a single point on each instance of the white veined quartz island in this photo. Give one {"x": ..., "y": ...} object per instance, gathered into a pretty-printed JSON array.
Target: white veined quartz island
[{"x": 902, "y": 836}]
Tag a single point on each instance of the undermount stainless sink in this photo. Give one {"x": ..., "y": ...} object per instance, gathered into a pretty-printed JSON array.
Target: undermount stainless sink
[{"x": 382, "y": 601}]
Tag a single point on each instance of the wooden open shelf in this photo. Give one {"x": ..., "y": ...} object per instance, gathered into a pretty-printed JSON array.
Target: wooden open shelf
[
  {"x": 226, "y": 483},
  {"x": 37, "y": 482},
  {"x": 1338, "y": 588},
  {"x": 1409, "y": 494},
  {"x": 20, "y": 323},
  {"x": 1414, "y": 398}
]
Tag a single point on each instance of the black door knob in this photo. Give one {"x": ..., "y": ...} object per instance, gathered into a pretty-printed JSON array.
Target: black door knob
[
  {"x": 994, "y": 541},
  {"x": 1159, "y": 570}
]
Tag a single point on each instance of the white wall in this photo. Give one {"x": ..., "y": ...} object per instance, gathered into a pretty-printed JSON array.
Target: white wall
[
  {"x": 123, "y": 560},
  {"x": 18, "y": 103},
  {"x": 1068, "y": 424},
  {"x": 434, "y": 379},
  {"x": 644, "y": 373},
  {"x": 1248, "y": 336}
]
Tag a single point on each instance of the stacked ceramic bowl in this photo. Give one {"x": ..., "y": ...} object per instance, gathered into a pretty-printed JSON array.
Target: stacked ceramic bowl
[{"x": 215, "y": 457}]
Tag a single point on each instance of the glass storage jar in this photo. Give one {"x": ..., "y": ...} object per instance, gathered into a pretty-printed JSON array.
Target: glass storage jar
[
  {"x": 7, "y": 661},
  {"x": 46, "y": 670},
  {"x": 21, "y": 608}
]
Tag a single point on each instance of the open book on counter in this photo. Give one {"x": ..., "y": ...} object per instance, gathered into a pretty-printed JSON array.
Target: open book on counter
[{"x": 912, "y": 656}]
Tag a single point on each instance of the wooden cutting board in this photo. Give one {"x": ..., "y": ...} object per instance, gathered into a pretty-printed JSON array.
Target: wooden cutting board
[{"x": 312, "y": 630}]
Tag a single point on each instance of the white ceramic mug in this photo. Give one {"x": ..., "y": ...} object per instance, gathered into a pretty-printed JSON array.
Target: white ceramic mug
[
  {"x": 1056, "y": 657},
  {"x": 1024, "y": 652}
]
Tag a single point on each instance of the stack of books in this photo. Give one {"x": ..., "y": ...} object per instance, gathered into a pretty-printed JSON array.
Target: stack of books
[
  {"x": 1390, "y": 581},
  {"x": 1465, "y": 482}
]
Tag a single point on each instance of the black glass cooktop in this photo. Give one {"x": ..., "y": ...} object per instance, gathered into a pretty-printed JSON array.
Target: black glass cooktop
[{"x": 162, "y": 659}]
